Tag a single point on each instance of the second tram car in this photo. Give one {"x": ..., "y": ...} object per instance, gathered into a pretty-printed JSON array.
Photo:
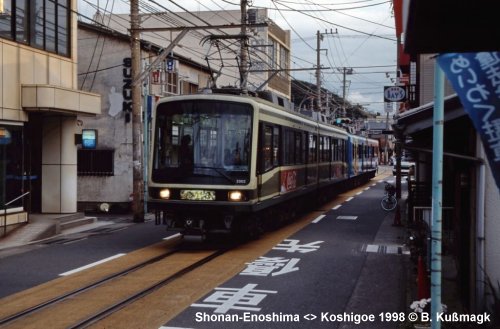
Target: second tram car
[{"x": 233, "y": 163}]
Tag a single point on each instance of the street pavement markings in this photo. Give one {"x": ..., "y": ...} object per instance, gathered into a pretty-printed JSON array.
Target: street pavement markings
[
  {"x": 359, "y": 193},
  {"x": 91, "y": 265},
  {"x": 176, "y": 235},
  {"x": 383, "y": 249},
  {"x": 337, "y": 207},
  {"x": 349, "y": 199},
  {"x": 320, "y": 217},
  {"x": 367, "y": 188},
  {"x": 347, "y": 217}
]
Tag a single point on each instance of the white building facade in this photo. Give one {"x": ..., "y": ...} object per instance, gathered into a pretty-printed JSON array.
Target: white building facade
[{"x": 39, "y": 104}]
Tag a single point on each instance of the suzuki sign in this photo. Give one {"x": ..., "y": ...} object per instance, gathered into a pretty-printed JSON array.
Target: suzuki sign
[{"x": 394, "y": 94}]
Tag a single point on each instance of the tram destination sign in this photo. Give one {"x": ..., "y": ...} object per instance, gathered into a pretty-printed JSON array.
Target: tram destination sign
[{"x": 394, "y": 94}]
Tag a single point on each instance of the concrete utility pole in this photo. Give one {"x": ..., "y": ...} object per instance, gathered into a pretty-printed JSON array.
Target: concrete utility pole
[
  {"x": 244, "y": 47},
  {"x": 345, "y": 71},
  {"x": 319, "y": 38},
  {"x": 137, "y": 179}
]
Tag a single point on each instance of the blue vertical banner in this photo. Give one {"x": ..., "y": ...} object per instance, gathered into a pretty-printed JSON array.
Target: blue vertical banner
[{"x": 476, "y": 79}]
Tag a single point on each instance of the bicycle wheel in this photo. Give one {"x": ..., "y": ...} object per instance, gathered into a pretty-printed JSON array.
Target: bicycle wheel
[{"x": 389, "y": 203}]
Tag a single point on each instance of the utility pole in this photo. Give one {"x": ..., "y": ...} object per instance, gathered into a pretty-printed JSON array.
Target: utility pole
[
  {"x": 137, "y": 179},
  {"x": 244, "y": 47},
  {"x": 345, "y": 71},
  {"x": 319, "y": 38}
]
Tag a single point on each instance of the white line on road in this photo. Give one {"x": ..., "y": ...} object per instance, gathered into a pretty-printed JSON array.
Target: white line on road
[
  {"x": 320, "y": 217},
  {"x": 91, "y": 265},
  {"x": 172, "y": 236},
  {"x": 349, "y": 199},
  {"x": 337, "y": 207},
  {"x": 347, "y": 217},
  {"x": 359, "y": 193}
]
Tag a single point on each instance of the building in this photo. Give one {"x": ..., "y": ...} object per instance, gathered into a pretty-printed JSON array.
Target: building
[
  {"x": 105, "y": 171},
  {"x": 471, "y": 200},
  {"x": 39, "y": 104},
  {"x": 268, "y": 51}
]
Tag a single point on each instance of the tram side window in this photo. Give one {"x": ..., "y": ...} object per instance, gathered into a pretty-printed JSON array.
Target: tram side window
[
  {"x": 292, "y": 147},
  {"x": 325, "y": 156},
  {"x": 335, "y": 147},
  {"x": 342, "y": 154},
  {"x": 288, "y": 147},
  {"x": 298, "y": 148},
  {"x": 313, "y": 155},
  {"x": 276, "y": 146},
  {"x": 321, "y": 148},
  {"x": 270, "y": 147}
]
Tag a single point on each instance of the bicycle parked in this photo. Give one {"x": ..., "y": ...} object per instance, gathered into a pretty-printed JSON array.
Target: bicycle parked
[{"x": 389, "y": 201}]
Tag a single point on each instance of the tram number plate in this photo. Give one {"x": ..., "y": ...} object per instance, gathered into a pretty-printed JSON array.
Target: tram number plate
[{"x": 197, "y": 195}]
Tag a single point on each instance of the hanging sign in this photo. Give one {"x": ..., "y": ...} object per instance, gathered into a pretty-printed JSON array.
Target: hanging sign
[
  {"x": 476, "y": 79},
  {"x": 394, "y": 94}
]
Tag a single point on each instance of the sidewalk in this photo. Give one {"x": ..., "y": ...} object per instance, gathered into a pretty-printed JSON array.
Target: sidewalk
[
  {"x": 384, "y": 284},
  {"x": 44, "y": 226}
]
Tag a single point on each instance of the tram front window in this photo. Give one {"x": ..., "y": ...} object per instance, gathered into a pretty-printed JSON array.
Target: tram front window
[{"x": 202, "y": 142}]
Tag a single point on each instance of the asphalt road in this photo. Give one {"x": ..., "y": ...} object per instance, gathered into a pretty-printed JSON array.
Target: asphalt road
[
  {"x": 343, "y": 270},
  {"x": 36, "y": 264},
  {"x": 325, "y": 276}
]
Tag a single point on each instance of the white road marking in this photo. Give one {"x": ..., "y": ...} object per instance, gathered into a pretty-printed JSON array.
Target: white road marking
[
  {"x": 320, "y": 217},
  {"x": 91, "y": 265},
  {"x": 349, "y": 199},
  {"x": 172, "y": 236},
  {"x": 372, "y": 248},
  {"x": 367, "y": 188},
  {"x": 337, "y": 207},
  {"x": 359, "y": 193},
  {"x": 347, "y": 217}
]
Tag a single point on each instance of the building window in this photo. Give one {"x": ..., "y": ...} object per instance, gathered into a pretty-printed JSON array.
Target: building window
[
  {"x": 41, "y": 24},
  {"x": 12, "y": 176},
  {"x": 6, "y": 19},
  {"x": 95, "y": 162},
  {"x": 171, "y": 83}
]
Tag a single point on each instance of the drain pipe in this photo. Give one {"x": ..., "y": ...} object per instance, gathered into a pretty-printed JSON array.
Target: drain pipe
[{"x": 480, "y": 252}]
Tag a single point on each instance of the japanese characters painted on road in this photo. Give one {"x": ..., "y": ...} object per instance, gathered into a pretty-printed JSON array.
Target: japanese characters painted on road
[
  {"x": 476, "y": 79},
  {"x": 246, "y": 298},
  {"x": 292, "y": 245},
  {"x": 273, "y": 266}
]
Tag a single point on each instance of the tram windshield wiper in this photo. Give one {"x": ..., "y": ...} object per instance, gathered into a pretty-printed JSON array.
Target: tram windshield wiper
[{"x": 219, "y": 171}]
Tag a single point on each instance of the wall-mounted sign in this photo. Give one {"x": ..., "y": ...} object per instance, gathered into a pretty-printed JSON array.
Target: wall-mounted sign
[
  {"x": 127, "y": 88},
  {"x": 89, "y": 138},
  {"x": 5, "y": 136},
  {"x": 394, "y": 94},
  {"x": 170, "y": 65}
]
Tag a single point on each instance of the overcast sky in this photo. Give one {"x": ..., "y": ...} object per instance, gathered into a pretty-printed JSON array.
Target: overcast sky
[{"x": 363, "y": 38}]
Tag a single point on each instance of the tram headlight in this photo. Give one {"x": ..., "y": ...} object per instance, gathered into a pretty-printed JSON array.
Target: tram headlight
[
  {"x": 165, "y": 193},
  {"x": 235, "y": 196}
]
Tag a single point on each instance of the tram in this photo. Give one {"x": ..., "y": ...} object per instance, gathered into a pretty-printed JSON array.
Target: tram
[{"x": 226, "y": 163}]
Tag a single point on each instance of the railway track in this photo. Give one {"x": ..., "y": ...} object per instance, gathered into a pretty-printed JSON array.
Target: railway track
[
  {"x": 84, "y": 306},
  {"x": 153, "y": 285}
]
